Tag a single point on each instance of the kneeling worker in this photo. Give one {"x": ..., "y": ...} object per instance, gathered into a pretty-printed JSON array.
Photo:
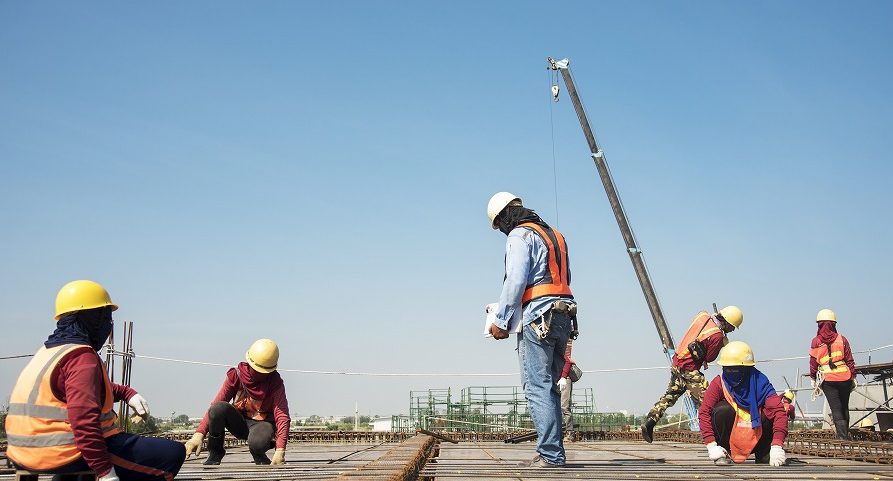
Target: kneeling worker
[
  {"x": 701, "y": 344},
  {"x": 258, "y": 400},
  {"x": 741, "y": 413},
  {"x": 61, "y": 417}
]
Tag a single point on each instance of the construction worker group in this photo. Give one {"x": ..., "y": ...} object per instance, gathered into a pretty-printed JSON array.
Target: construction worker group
[{"x": 61, "y": 418}]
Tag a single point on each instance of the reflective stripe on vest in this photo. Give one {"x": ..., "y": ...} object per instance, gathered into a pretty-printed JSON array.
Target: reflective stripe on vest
[
  {"x": 840, "y": 371},
  {"x": 555, "y": 282},
  {"x": 702, "y": 327},
  {"x": 744, "y": 437},
  {"x": 38, "y": 432}
]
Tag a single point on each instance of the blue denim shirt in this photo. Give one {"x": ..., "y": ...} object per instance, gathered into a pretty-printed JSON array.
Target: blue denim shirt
[{"x": 526, "y": 262}]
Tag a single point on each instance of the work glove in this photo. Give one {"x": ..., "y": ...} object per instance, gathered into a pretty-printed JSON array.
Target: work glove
[
  {"x": 110, "y": 476},
  {"x": 562, "y": 384},
  {"x": 278, "y": 456},
  {"x": 715, "y": 451},
  {"x": 194, "y": 445},
  {"x": 777, "y": 456},
  {"x": 139, "y": 404}
]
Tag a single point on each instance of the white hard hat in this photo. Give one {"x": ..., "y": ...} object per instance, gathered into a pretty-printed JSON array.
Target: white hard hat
[{"x": 497, "y": 203}]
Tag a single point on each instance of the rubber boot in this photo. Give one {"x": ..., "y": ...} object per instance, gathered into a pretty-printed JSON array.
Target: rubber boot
[
  {"x": 215, "y": 449},
  {"x": 648, "y": 429},
  {"x": 843, "y": 429},
  {"x": 260, "y": 458}
]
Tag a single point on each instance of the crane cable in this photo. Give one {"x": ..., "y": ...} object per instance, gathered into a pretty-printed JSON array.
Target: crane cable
[{"x": 552, "y": 78}]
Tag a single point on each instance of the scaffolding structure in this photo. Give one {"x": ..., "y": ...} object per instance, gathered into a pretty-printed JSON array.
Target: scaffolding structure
[{"x": 496, "y": 409}]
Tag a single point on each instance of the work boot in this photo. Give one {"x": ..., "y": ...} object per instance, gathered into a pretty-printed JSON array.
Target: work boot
[
  {"x": 260, "y": 458},
  {"x": 215, "y": 449},
  {"x": 648, "y": 429}
]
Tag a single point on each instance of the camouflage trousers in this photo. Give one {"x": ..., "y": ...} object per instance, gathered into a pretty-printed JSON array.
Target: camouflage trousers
[{"x": 680, "y": 381}]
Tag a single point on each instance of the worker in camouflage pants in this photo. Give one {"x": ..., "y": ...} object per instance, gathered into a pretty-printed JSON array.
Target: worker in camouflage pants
[
  {"x": 701, "y": 344},
  {"x": 680, "y": 381}
]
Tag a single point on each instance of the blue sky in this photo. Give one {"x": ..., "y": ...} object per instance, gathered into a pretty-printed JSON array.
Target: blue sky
[{"x": 318, "y": 174}]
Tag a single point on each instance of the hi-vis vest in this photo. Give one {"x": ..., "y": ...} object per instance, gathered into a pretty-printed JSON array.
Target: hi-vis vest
[
  {"x": 38, "y": 433},
  {"x": 840, "y": 371},
  {"x": 247, "y": 405},
  {"x": 701, "y": 328},
  {"x": 555, "y": 282},
  {"x": 744, "y": 437}
]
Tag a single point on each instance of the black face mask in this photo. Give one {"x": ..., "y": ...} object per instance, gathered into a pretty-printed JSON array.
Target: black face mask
[
  {"x": 736, "y": 375},
  {"x": 91, "y": 327},
  {"x": 513, "y": 215}
]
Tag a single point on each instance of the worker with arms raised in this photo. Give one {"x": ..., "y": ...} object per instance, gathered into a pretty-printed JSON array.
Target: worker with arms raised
[
  {"x": 537, "y": 303},
  {"x": 832, "y": 367},
  {"x": 61, "y": 417},
  {"x": 741, "y": 414},
  {"x": 252, "y": 405},
  {"x": 701, "y": 344}
]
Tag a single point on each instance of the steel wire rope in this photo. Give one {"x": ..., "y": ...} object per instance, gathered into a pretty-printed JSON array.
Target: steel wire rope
[
  {"x": 552, "y": 99},
  {"x": 404, "y": 374}
]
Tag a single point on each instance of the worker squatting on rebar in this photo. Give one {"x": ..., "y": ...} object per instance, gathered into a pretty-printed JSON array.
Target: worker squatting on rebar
[
  {"x": 832, "y": 368},
  {"x": 536, "y": 302},
  {"x": 741, "y": 414},
  {"x": 61, "y": 417},
  {"x": 251, "y": 405},
  {"x": 701, "y": 344}
]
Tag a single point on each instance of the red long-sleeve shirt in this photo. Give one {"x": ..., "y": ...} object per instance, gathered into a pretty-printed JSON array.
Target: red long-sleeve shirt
[
  {"x": 772, "y": 408},
  {"x": 274, "y": 403},
  {"x": 847, "y": 356},
  {"x": 77, "y": 381},
  {"x": 712, "y": 344},
  {"x": 566, "y": 370}
]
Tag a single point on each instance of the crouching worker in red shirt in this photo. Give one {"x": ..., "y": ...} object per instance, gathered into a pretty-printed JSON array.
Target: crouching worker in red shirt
[
  {"x": 741, "y": 413},
  {"x": 60, "y": 412},
  {"x": 258, "y": 401}
]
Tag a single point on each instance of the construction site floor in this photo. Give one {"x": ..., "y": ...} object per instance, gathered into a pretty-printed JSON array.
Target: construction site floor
[{"x": 493, "y": 460}]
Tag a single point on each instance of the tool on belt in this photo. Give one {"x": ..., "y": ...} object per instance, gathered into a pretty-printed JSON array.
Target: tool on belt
[{"x": 542, "y": 325}]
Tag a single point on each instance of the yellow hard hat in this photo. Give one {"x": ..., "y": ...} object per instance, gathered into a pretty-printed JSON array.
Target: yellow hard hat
[
  {"x": 732, "y": 315},
  {"x": 736, "y": 353},
  {"x": 497, "y": 203},
  {"x": 826, "y": 315},
  {"x": 866, "y": 423},
  {"x": 263, "y": 355},
  {"x": 82, "y": 295},
  {"x": 789, "y": 395}
]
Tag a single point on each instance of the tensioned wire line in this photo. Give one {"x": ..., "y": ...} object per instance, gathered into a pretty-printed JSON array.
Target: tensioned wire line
[{"x": 440, "y": 374}]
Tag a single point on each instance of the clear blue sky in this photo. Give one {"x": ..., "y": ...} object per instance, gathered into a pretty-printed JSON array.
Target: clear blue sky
[{"x": 317, "y": 173}]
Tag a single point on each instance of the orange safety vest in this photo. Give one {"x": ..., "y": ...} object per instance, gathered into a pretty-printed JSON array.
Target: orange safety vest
[
  {"x": 555, "y": 283},
  {"x": 744, "y": 437},
  {"x": 701, "y": 328},
  {"x": 38, "y": 432},
  {"x": 840, "y": 371},
  {"x": 247, "y": 405}
]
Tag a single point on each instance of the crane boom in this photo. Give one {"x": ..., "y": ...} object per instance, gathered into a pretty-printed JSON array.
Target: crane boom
[{"x": 632, "y": 248}]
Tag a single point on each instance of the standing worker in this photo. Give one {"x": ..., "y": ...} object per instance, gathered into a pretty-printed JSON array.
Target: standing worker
[
  {"x": 536, "y": 302},
  {"x": 61, "y": 418},
  {"x": 741, "y": 413},
  {"x": 570, "y": 374},
  {"x": 701, "y": 344},
  {"x": 832, "y": 367},
  {"x": 258, "y": 401}
]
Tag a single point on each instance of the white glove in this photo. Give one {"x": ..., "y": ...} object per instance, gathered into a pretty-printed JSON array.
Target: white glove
[
  {"x": 278, "y": 456},
  {"x": 715, "y": 451},
  {"x": 776, "y": 456},
  {"x": 111, "y": 476},
  {"x": 194, "y": 445},
  {"x": 139, "y": 404},
  {"x": 562, "y": 384}
]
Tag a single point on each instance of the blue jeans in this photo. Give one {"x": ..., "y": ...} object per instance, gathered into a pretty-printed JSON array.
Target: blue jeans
[{"x": 541, "y": 363}]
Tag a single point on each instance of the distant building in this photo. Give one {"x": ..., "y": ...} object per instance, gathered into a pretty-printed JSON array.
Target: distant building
[{"x": 382, "y": 424}]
